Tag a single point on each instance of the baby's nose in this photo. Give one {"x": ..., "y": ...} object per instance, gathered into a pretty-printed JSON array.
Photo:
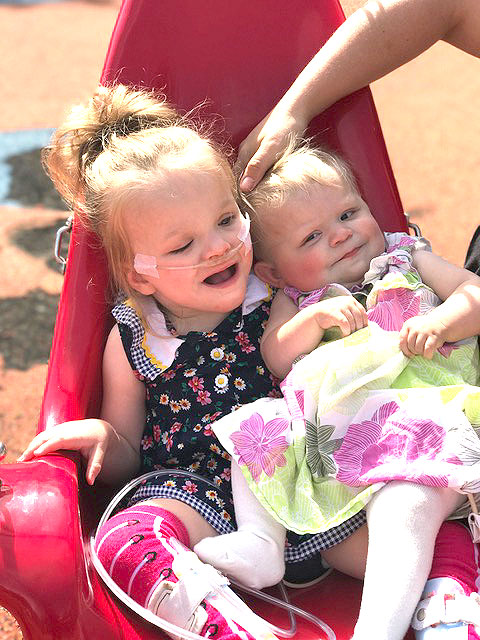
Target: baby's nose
[{"x": 339, "y": 234}]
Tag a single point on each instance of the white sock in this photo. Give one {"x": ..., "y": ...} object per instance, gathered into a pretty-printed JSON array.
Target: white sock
[
  {"x": 253, "y": 554},
  {"x": 403, "y": 522}
]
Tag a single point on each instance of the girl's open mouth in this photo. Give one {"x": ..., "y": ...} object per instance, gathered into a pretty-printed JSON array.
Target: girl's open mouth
[{"x": 222, "y": 276}]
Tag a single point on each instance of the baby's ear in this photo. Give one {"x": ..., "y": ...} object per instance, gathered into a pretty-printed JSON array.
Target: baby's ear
[
  {"x": 267, "y": 272},
  {"x": 140, "y": 283}
]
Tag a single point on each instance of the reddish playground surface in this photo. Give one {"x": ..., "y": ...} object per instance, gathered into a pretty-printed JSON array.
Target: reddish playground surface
[{"x": 51, "y": 56}]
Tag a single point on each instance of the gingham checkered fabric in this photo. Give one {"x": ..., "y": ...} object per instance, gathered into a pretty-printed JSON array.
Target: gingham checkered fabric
[
  {"x": 125, "y": 314},
  {"x": 304, "y": 550}
]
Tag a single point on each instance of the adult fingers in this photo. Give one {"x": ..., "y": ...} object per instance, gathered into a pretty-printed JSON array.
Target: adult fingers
[{"x": 261, "y": 161}]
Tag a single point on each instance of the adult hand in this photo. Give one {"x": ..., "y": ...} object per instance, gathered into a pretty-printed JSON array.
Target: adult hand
[
  {"x": 265, "y": 144},
  {"x": 91, "y": 437}
]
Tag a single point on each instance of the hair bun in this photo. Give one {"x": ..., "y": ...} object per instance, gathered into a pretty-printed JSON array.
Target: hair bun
[{"x": 112, "y": 111}]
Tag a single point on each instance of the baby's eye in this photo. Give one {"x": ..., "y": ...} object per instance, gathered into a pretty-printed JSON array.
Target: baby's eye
[
  {"x": 181, "y": 249},
  {"x": 313, "y": 236},
  {"x": 346, "y": 215}
]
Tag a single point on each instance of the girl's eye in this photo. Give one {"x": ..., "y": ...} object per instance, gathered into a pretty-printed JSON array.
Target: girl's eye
[
  {"x": 181, "y": 249},
  {"x": 224, "y": 222},
  {"x": 347, "y": 214}
]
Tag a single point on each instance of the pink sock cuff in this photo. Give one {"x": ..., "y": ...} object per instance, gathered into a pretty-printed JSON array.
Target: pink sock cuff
[
  {"x": 456, "y": 556},
  {"x": 171, "y": 525}
]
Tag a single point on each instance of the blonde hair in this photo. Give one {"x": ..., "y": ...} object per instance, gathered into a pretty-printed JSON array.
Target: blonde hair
[
  {"x": 113, "y": 147},
  {"x": 296, "y": 170}
]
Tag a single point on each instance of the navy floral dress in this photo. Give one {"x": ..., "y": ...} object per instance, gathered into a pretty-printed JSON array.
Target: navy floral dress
[{"x": 191, "y": 381}]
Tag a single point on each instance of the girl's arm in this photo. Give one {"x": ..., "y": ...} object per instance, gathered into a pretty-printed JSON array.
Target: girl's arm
[
  {"x": 290, "y": 333},
  {"x": 123, "y": 407},
  {"x": 110, "y": 445},
  {"x": 349, "y": 60},
  {"x": 458, "y": 317}
]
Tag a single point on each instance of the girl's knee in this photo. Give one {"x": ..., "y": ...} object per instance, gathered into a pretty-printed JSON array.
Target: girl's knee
[{"x": 197, "y": 527}]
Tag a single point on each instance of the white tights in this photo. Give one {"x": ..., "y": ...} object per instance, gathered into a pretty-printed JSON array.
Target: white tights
[{"x": 403, "y": 522}]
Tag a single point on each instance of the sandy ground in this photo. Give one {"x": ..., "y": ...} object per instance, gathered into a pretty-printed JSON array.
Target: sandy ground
[{"x": 51, "y": 56}]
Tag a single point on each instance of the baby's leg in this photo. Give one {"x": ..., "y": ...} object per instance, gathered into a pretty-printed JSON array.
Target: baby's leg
[
  {"x": 145, "y": 551},
  {"x": 253, "y": 554},
  {"x": 403, "y": 521}
]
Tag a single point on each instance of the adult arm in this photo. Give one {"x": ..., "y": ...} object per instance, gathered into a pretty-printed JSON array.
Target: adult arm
[{"x": 376, "y": 39}]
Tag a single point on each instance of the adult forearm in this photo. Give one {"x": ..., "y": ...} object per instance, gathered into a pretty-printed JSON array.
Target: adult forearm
[{"x": 373, "y": 41}]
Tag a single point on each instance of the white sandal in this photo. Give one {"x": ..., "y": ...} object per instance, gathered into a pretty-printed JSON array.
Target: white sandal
[
  {"x": 180, "y": 602},
  {"x": 446, "y": 610}
]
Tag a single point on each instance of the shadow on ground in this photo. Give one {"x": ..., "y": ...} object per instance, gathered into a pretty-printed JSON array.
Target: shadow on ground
[
  {"x": 27, "y": 322},
  {"x": 27, "y": 329}
]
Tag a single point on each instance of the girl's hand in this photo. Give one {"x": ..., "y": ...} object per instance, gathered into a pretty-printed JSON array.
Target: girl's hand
[
  {"x": 91, "y": 437},
  {"x": 422, "y": 336},
  {"x": 344, "y": 312}
]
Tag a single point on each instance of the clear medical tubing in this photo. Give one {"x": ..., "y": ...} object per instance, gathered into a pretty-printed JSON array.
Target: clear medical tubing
[
  {"x": 147, "y": 265},
  {"x": 168, "y": 626}
]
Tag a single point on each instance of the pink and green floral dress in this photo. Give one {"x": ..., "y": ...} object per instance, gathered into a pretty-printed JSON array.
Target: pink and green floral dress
[{"x": 356, "y": 413}]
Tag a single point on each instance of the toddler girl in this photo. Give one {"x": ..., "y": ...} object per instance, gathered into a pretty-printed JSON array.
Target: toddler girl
[
  {"x": 162, "y": 199},
  {"x": 380, "y": 419}
]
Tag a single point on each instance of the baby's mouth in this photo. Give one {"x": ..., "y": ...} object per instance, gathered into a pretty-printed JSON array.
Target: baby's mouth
[{"x": 221, "y": 276}]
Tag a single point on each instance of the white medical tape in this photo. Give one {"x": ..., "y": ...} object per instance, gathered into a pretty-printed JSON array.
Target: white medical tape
[{"x": 145, "y": 265}]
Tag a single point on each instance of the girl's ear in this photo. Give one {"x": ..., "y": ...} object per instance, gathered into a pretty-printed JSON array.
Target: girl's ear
[
  {"x": 267, "y": 272},
  {"x": 140, "y": 283}
]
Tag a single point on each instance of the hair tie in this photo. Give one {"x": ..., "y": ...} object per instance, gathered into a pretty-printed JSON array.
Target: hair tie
[{"x": 123, "y": 127}]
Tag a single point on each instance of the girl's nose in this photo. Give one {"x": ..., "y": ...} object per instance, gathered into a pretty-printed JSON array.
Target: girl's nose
[
  {"x": 217, "y": 246},
  {"x": 340, "y": 233}
]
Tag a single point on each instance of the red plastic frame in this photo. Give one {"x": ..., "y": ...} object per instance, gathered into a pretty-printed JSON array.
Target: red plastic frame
[{"x": 241, "y": 55}]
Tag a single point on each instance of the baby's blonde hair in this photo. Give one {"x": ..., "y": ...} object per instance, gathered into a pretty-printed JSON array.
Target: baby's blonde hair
[
  {"x": 113, "y": 148},
  {"x": 296, "y": 170}
]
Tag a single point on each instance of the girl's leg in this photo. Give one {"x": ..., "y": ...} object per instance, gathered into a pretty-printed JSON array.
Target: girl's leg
[
  {"x": 450, "y": 593},
  {"x": 145, "y": 549},
  {"x": 403, "y": 522},
  {"x": 350, "y": 555},
  {"x": 254, "y": 554}
]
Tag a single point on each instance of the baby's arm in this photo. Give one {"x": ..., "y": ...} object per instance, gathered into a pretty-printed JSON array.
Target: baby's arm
[
  {"x": 458, "y": 317},
  {"x": 290, "y": 333},
  {"x": 111, "y": 444}
]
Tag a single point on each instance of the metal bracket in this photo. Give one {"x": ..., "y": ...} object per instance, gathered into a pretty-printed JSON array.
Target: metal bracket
[
  {"x": 66, "y": 228},
  {"x": 411, "y": 225},
  {"x": 3, "y": 453}
]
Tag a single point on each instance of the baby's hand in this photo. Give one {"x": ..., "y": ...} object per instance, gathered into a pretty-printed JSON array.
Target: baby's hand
[
  {"x": 344, "y": 312},
  {"x": 422, "y": 335},
  {"x": 90, "y": 437}
]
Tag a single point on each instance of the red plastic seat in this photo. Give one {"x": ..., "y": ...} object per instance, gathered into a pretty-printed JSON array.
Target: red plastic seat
[{"x": 241, "y": 55}]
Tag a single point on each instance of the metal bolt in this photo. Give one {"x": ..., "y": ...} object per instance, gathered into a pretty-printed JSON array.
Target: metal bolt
[{"x": 421, "y": 614}]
